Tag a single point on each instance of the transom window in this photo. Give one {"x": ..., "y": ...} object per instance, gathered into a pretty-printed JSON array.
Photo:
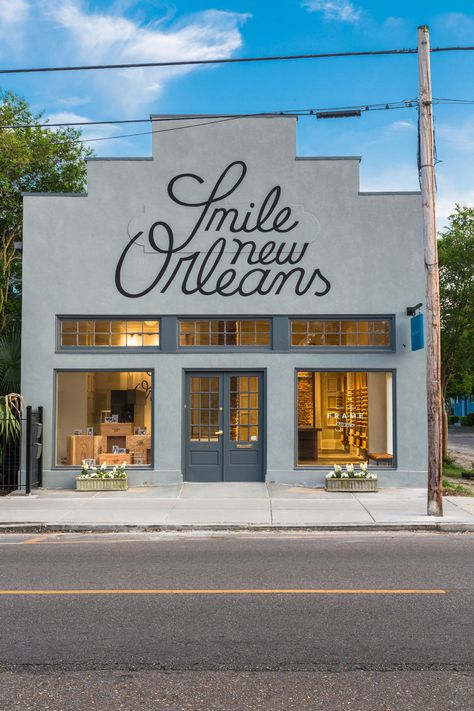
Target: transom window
[
  {"x": 348, "y": 333},
  {"x": 108, "y": 333},
  {"x": 254, "y": 332}
]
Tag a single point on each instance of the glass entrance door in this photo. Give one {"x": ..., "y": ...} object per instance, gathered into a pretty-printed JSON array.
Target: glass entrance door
[{"x": 224, "y": 427}]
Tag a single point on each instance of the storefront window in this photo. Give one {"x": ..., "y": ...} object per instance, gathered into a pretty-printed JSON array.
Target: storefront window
[
  {"x": 348, "y": 333},
  {"x": 103, "y": 416},
  {"x": 344, "y": 417},
  {"x": 225, "y": 333},
  {"x": 109, "y": 333}
]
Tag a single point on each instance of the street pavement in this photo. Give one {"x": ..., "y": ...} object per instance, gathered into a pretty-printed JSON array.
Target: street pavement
[
  {"x": 237, "y": 621},
  {"x": 461, "y": 445},
  {"x": 230, "y": 504}
]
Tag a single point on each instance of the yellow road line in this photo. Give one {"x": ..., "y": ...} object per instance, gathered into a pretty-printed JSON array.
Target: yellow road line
[
  {"x": 233, "y": 591},
  {"x": 36, "y": 540}
]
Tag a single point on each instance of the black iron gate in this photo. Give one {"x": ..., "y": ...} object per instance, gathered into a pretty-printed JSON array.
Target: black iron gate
[{"x": 21, "y": 452}]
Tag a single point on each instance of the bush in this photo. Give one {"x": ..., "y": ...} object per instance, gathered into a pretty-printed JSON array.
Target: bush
[
  {"x": 468, "y": 420},
  {"x": 452, "y": 419}
]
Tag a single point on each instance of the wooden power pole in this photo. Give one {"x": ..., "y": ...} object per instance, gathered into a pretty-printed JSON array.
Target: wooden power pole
[{"x": 433, "y": 344}]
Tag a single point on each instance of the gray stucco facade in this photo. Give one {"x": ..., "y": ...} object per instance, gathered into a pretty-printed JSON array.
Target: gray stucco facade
[{"x": 363, "y": 252}]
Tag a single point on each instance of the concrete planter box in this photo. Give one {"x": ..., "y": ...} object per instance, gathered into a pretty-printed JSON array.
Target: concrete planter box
[
  {"x": 351, "y": 485},
  {"x": 94, "y": 484}
]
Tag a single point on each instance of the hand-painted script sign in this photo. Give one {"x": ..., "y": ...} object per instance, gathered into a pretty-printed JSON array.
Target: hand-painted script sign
[{"x": 229, "y": 265}]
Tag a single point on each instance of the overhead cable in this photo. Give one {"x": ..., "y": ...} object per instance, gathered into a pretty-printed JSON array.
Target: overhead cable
[{"x": 234, "y": 60}]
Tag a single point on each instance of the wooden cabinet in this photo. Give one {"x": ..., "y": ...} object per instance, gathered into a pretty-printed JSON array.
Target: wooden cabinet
[
  {"x": 139, "y": 447},
  {"x": 116, "y": 429},
  {"x": 100, "y": 445},
  {"x": 79, "y": 447}
]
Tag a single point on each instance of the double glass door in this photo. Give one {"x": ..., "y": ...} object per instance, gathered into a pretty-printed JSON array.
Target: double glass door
[{"x": 224, "y": 427}]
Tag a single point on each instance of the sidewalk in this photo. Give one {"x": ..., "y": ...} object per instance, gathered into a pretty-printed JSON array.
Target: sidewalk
[{"x": 230, "y": 506}]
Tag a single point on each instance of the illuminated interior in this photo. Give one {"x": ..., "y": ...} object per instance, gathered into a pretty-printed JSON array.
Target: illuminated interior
[
  {"x": 344, "y": 417},
  {"x": 113, "y": 333},
  {"x": 103, "y": 416},
  {"x": 252, "y": 332}
]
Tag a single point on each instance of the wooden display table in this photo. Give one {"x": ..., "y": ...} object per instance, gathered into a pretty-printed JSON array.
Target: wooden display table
[
  {"x": 378, "y": 457},
  {"x": 114, "y": 459}
]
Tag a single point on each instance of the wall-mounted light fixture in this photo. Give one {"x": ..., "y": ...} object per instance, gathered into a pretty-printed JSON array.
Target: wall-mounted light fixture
[{"x": 411, "y": 310}]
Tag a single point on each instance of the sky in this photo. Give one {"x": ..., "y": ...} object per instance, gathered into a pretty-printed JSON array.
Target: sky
[{"x": 36, "y": 33}]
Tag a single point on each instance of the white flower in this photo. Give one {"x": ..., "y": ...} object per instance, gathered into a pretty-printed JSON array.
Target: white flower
[
  {"x": 331, "y": 475},
  {"x": 93, "y": 475},
  {"x": 104, "y": 466},
  {"x": 344, "y": 475},
  {"x": 124, "y": 464},
  {"x": 350, "y": 469},
  {"x": 85, "y": 465},
  {"x": 337, "y": 469}
]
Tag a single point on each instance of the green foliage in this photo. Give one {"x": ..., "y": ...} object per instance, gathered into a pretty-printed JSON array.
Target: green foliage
[
  {"x": 10, "y": 413},
  {"x": 34, "y": 159},
  {"x": 456, "y": 278},
  {"x": 10, "y": 362},
  {"x": 450, "y": 489}
]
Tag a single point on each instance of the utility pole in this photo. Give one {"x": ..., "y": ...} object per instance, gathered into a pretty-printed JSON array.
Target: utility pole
[{"x": 433, "y": 325}]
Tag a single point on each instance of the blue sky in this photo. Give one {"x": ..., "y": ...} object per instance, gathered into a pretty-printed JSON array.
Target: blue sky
[{"x": 58, "y": 32}]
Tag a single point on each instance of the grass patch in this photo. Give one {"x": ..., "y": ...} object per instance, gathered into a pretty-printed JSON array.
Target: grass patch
[
  {"x": 454, "y": 470},
  {"x": 451, "y": 489}
]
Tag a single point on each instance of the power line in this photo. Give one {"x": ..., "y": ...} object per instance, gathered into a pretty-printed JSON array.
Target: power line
[
  {"x": 406, "y": 103},
  {"x": 218, "y": 120},
  {"x": 235, "y": 60}
]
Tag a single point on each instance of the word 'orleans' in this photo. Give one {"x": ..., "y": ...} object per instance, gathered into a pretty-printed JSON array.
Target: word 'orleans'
[{"x": 211, "y": 272}]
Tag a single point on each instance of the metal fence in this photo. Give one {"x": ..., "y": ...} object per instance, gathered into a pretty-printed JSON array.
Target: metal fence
[{"x": 21, "y": 453}]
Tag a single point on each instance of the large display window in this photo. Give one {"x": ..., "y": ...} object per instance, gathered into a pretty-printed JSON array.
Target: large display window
[
  {"x": 104, "y": 416},
  {"x": 344, "y": 417}
]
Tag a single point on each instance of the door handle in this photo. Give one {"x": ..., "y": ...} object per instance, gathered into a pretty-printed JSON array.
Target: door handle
[{"x": 219, "y": 432}]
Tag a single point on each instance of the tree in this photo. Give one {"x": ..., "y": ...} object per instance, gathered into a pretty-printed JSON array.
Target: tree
[
  {"x": 32, "y": 159},
  {"x": 456, "y": 283}
]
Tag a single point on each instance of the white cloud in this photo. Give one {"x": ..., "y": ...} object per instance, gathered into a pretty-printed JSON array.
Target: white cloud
[
  {"x": 339, "y": 10},
  {"x": 13, "y": 11},
  {"x": 459, "y": 136},
  {"x": 13, "y": 14},
  {"x": 95, "y": 37},
  {"x": 98, "y": 131},
  {"x": 402, "y": 126},
  {"x": 74, "y": 100}
]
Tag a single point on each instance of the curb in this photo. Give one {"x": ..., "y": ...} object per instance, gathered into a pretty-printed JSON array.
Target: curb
[{"x": 435, "y": 527}]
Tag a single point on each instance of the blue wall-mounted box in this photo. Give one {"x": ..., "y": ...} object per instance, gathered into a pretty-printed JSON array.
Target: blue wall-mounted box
[{"x": 417, "y": 326}]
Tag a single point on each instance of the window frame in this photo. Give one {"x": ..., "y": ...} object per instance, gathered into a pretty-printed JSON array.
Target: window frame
[
  {"x": 106, "y": 349},
  {"x": 391, "y": 348},
  {"x": 223, "y": 348},
  {"x": 324, "y": 467},
  {"x": 74, "y": 467}
]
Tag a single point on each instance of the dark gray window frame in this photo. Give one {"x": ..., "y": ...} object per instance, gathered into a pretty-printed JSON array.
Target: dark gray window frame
[
  {"x": 106, "y": 349},
  {"x": 224, "y": 349},
  {"x": 280, "y": 334},
  {"x": 204, "y": 371},
  {"x": 391, "y": 348},
  {"x": 320, "y": 467},
  {"x": 74, "y": 467}
]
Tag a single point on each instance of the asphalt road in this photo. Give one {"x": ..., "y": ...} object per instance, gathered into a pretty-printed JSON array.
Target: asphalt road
[{"x": 285, "y": 649}]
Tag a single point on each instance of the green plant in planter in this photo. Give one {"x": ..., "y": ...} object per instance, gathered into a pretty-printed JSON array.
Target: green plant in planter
[
  {"x": 351, "y": 473},
  {"x": 93, "y": 472}
]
